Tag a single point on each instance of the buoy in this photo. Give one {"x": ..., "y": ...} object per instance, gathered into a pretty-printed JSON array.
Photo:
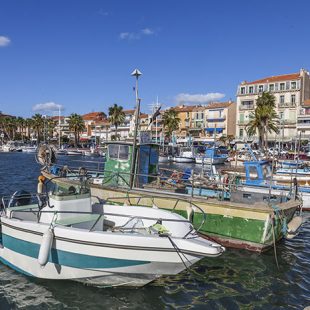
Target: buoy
[
  {"x": 45, "y": 248},
  {"x": 292, "y": 227}
]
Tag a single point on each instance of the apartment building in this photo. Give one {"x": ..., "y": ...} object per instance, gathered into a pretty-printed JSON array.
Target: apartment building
[
  {"x": 291, "y": 91},
  {"x": 185, "y": 113},
  {"x": 220, "y": 119}
]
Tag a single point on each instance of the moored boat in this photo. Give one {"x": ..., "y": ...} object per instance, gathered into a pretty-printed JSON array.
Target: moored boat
[{"x": 63, "y": 236}]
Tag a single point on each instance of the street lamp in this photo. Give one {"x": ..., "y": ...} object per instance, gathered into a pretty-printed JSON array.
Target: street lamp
[{"x": 136, "y": 73}]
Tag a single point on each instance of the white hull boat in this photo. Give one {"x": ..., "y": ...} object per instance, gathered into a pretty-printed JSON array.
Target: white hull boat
[
  {"x": 208, "y": 161},
  {"x": 74, "y": 152},
  {"x": 101, "y": 245},
  {"x": 164, "y": 159},
  {"x": 180, "y": 159},
  {"x": 29, "y": 149}
]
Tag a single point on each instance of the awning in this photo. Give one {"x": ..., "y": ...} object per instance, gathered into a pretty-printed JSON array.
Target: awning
[{"x": 212, "y": 129}]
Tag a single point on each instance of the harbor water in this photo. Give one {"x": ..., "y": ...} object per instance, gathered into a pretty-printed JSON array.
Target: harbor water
[{"x": 236, "y": 280}]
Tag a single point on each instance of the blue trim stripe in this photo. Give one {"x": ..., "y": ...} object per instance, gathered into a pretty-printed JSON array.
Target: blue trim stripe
[
  {"x": 5, "y": 262},
  {"x": 65, "y": 258}
]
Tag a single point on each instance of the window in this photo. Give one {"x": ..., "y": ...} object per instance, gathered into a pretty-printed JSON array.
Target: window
[
  {"x": 118, "y": 152},
  {"x": 242, "y": 90},
  {"x": 282, "y": 99},
  {"x": 260, "y": 88},
  {"x": 271, "y": 87},
  {"x": 241, "y": 132},
  {"x": 293, "y": 85},
  {"x": 293, "y": 98},
  {"x": 282, "y": 86},
  {"x": 281, "y": 115},
  {"x": 251, "y": 90}
]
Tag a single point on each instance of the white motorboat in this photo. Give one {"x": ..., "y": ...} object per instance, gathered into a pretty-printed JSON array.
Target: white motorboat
[
  {"x": 185, "y": 156},
  {"x": 164, "y": 158},
  {"x": 74, "y": 152},
  {"x": 29, "y": 149},
  {"x": 65, "y": 237}
]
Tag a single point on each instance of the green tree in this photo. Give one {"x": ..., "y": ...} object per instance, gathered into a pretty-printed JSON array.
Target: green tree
[
  {"x": 21, "y": 124},
  {"x": 264, "y": 120},
  {"x": 29, "y": 126},
  {"x": 76, "y": 124},
  {"x": 171, "y": 121},
  {"x": 8, "y": 125},
  {"x": 38, "y": 125},
  {"x": 116, "y": 117}
]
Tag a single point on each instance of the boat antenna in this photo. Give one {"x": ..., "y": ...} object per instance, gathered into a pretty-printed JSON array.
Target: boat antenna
[{"x": 136, "y": 73}]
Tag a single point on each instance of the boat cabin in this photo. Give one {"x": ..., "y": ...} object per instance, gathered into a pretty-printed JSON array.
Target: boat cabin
[
  {"x": 257, "y": 172},
  {"x": 119, "y": 161}
]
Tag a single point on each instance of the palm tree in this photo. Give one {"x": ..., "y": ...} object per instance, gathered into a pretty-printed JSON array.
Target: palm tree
[
  {"x": 171, "y": 121},
  {"x": 21, "y": 123},
  {"x": 264, "y": 119},
  {"x": 8, "y": 126},
  {"x": 29, "y": 126},
  {"x": 116, "y": 116},
  {"x": 223, "y": 139},
  {"x": 76, "y": 124},
  {"x": 38, "y": 125}
]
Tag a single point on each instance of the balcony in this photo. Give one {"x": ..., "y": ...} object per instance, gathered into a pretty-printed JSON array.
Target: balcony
[
  {"x": 242, "y": 123},
  {"x": 219, "y": 119},
  {"x": 287, "y": 105},
  {"x": 244, "y": 107}
]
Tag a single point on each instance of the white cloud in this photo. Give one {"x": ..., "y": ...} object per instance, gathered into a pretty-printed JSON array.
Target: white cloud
[
  {"x": 129, "y": 36},
  {"x": 4, "y": 41},
  {"x": 198, "y": 98},
  {"x": 147, "y": 31},
  {"x": 136, "y": 35},
  {"x": 48, "y": 106}
]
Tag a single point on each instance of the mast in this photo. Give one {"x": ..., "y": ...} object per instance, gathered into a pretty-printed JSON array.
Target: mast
[
  {"x": 59, "y": 133},
  {"x": 135, "y": 73}
]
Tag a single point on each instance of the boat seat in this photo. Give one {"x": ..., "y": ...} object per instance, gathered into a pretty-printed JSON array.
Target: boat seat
[
  {"x": 78, "y": 219},
  {"x": 21, "y": 208}
]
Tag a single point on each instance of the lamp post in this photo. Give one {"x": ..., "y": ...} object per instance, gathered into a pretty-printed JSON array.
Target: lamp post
[{"x": 136, "y": 73}]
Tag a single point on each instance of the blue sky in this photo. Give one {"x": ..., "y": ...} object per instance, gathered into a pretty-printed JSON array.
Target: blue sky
[{"x": 79, "y": 54}]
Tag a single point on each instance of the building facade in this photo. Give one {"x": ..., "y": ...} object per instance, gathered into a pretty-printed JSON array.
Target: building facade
[
  {"x": 291, "y": 92},
  {"x": 220, "y": 119}
]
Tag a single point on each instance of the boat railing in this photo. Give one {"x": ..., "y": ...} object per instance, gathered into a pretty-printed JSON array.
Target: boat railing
[
  {"x": 167, "y": 180},
  {"x": 37, "y": 211},
  {"x": 139, "y": 199}
]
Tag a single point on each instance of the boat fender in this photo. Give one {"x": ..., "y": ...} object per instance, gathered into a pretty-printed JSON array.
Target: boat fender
[
  {"x": 41, "y": 180},
  {"x": 190, "y": 213},
  {"x": 293, "y": 226},
  {"x": 45, "y": 248}
]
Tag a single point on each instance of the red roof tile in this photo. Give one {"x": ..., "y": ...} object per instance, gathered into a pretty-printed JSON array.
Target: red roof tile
[
  {"x": 277, "y": 78},
  {"x": 217, "y": 105},
  {"x": 94, "y": 116},
  {"x": 184, "y": 108}
]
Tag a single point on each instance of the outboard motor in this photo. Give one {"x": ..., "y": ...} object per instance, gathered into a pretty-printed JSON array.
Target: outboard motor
[{"x": 20, "y": 198}]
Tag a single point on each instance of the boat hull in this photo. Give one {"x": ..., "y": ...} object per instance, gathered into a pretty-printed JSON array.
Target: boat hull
[
  {"x": 110, "y": 260},
  {"x": 179, "y": 159}
]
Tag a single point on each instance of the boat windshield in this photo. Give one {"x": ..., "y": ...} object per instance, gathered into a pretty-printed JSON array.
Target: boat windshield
[{"x": 69, "y": 190}]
